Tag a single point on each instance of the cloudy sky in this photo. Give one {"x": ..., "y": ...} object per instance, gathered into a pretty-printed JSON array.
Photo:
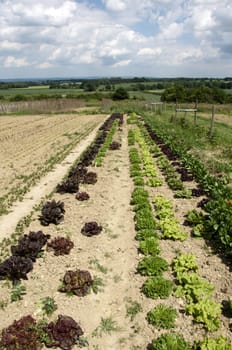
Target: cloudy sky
[{"x": 76, "y": 38}]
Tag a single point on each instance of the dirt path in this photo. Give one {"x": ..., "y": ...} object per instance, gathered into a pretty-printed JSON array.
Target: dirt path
[{"x": 44, "y": 187}]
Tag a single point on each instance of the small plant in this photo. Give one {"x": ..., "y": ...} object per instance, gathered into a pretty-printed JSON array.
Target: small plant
[
  {"x": 152, "y": 266},
  {"x": 60, "y": 245},
  {"x": 77, "y": 283},
  {"x": 46, "y": 306},
  {"x": 20, "y": 335},
  {"x": 170, "y": 341},
  {"x": 115, "y": 145},
  {"x": 162, "y": 317},
  {"x": 107, "y": 326},
  {"x": 91, "y": 228},
  {"x": 52, "y": 213},
  {"x": 30, "y": 245},
  {"x": 15, "y": 268},
  {"x": 149, "y": 246},
  {"x": 90, "y": 178},
  {"x": 219, "y": 343},
  {"x": 17, "y": 292},
  {"x": 98, "y": 266},
  {"x": 70, "y": 185},
  {"x": 97, "y": 284},
  {"x": 82, "y": 196},
  {"x": 63, "y": 333},
  {"x": 157, "y": 287},
  {"x": 132, "y": 308}
]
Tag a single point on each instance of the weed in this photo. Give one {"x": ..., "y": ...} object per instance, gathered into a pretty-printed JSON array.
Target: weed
[
  {"x": 107, "y": 326},
  {"x": 3, "y": 304},
  {"x": 97, "y": 284},
  {"x": 98, "y": 266},
  {"x": 17, "y": 292},
  {"x": 132, "y": 308},
  {"x": 46, "y": 306}
]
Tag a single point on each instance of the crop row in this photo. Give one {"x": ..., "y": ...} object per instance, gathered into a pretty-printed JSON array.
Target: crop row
[
  {"x": 216, "y": 223},
  {"x": 27, "y": 333},
  {"x": 156, "y": 223}
]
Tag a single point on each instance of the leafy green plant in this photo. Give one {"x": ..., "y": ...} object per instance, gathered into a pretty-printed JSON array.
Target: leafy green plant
[
  {"x": 206, "y": 312},
  {"x": 149, "y": 246},
  {"x": 152, "y": 266},
  {"x": 219, "y": 343},
  {"x": 46, "y": 306},
  {"x": 170, "y": 341},
  {"x": 162, "y": 317},
  {"x": 157, "y": 287},
  {"x": 17, "y": 292},
  {"x": 146, "y": 233}
]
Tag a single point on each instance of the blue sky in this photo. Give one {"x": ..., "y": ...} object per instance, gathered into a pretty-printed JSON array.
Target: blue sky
[{"x": 156, "y": 38}]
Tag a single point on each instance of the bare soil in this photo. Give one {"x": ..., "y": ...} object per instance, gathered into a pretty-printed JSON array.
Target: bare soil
[
  {"x": 112, "y": 256},
  {"x": 28, "y": 143}
]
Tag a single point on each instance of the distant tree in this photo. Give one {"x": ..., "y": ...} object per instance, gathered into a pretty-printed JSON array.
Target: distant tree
[{"x": 120, "y": 94}]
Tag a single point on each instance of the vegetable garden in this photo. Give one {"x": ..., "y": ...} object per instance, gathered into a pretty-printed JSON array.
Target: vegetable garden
[{"x": 130, "y": 251}]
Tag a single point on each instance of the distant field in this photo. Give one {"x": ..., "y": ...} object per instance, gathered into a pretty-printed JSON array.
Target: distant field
[{"x": 35, "y": 90}]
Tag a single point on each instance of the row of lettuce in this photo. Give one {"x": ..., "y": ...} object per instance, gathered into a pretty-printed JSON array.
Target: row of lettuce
[
  {"x": 28, "y": 332},
  {"x": 154, "y": 220},
  {"x": 215, "y": 220}
]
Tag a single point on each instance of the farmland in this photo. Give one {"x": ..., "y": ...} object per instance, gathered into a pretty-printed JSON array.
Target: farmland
[{"x": 137, "y": 185}]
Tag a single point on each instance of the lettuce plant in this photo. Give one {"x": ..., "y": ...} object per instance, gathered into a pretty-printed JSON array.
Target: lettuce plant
[
  {"x": 162, "y": 317},
  {"x": 63, "y": 333},
  {"x": 157, "y": 287},
  {"x": 152, "y": 266},
  {"x": 60, "y": 245},
  {"x": 91, "y": 229},
  {"x": 76, "y": 282},
  {"x": 21, "y": 335},
  {"x": 52, "y": 213},
  {"x": 170, "y": 341}
]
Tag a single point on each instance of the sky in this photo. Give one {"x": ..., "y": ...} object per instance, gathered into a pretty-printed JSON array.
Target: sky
[{"x": 106, "y": 38}]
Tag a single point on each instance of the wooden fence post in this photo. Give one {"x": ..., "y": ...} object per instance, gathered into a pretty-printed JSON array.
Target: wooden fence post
[{"x": 212, "y": 122}]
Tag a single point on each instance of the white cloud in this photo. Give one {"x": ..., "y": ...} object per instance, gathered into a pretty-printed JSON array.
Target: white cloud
[
  {"x": 148, "y": 51},
  {"x": 115, "y": 5},
  {"x": 65, "y": 34},
  {"x": 12, "y": 61},
  {"x": 122, "y": 63}
]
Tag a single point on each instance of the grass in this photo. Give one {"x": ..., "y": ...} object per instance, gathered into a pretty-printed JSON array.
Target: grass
[
  {"x": 107, "y": 326},
  {"x": 132, "y": 308}
]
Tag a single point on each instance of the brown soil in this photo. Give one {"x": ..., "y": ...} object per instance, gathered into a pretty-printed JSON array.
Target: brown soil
[
  {"x": 112, "y": 255},
  {"x": 28, "y": 143}
]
